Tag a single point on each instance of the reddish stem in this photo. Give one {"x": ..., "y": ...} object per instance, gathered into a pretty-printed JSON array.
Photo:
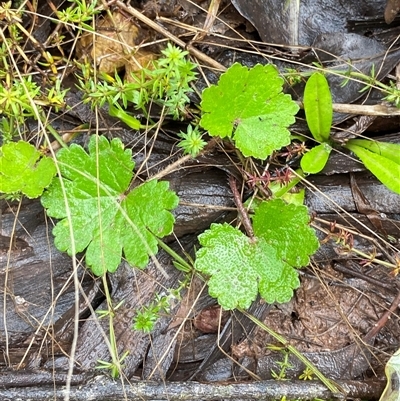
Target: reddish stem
[{"x": 242, "y": 211}]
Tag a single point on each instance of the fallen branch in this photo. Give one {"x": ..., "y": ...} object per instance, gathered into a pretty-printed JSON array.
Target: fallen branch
[{"x": 102, "y": 389}]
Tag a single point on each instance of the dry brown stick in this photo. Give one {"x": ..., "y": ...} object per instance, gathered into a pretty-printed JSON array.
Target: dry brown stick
[
  {"x": 191, "y": 49},
  {"x": 386, "y": 315},
  {"x": 367, "y": 110},
  {"x": 382, "y": 109},
  {"x": 209, "y": 22},
  {"x": 383, "y": 319}
]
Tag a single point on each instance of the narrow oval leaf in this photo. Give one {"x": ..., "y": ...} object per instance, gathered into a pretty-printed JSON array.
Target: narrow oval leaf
[
  {"x": 129, "y": 120},
  {"x": 389, "y": 150},
  {"x": 315, "y": 160},
  {"x": 318, "y": 107},
  {"x": 385, "y": 170}
]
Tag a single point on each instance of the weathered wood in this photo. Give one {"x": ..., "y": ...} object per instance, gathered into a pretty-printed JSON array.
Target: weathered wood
[
  {"x": 39, "y": 288},
  {"x": 136, "y": 289},
  {"x": 335, "y": 194},
  {"x": 103, "y": 389},
  {"x": 299, "y": 23}
]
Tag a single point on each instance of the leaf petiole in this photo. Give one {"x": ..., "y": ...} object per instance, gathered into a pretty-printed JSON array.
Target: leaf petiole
[{"x": 179, "y": 262}]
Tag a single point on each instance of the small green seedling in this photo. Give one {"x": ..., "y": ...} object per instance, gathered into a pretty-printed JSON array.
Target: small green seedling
[
  {"x": 147, "y": 316},
  {"x": 114, "y": 367},
  {"x": 308, "y": 374},
  {"x": 382, "y": 159},
  {"x": 318, "y": 109},
  {"x": 191, "y": 141},
  {"x": 166, "y": 83},
  {"x": 284, "y": 365}
]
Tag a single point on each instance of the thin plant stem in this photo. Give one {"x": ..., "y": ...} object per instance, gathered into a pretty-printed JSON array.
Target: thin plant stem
[
  {"x": 333, "y": 387},
  {"x": 239, "y": 204}
]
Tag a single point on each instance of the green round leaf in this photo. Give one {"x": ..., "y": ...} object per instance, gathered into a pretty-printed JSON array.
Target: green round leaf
[
  {"x": 249, "y": 106},
  {"x": 286, "y": 228},
  {"x": 315, "y": 160},
  {"x": 23, "y": 169},
  {"x": 105, "y": 220},
  {"x": 238, "y": 267}
]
